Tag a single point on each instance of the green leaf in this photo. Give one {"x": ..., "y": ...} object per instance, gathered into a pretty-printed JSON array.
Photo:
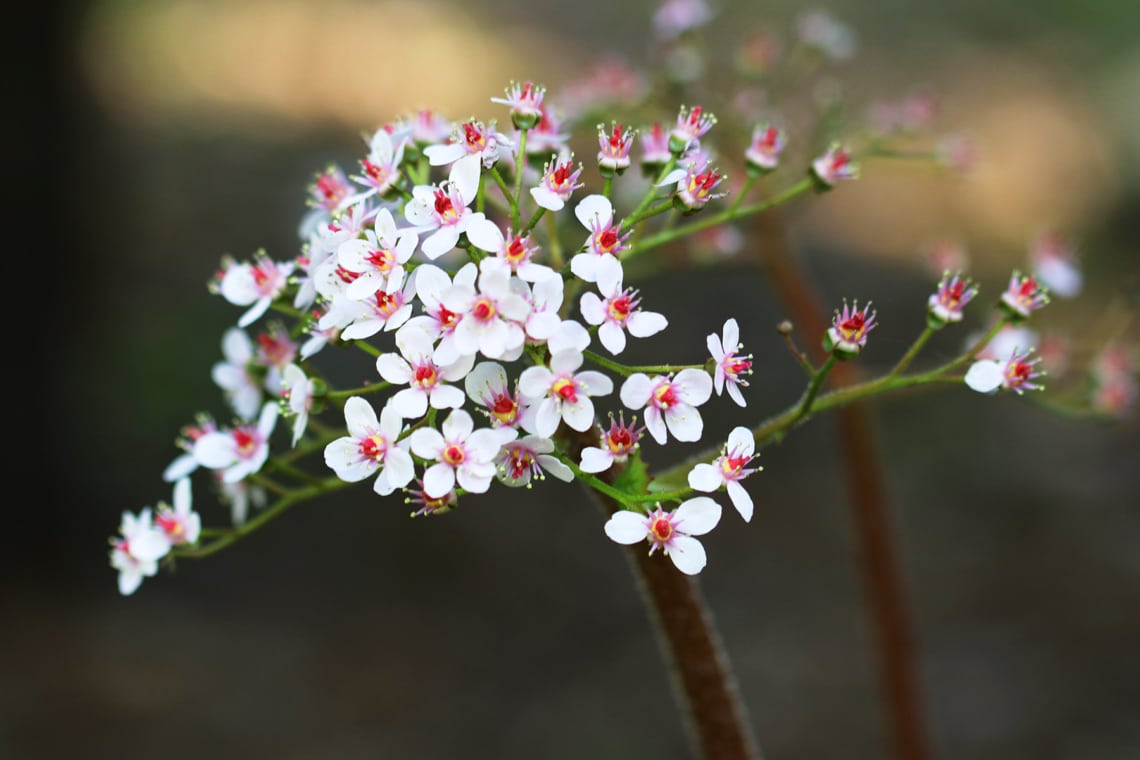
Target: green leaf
[{"x": 634, "y": 479}]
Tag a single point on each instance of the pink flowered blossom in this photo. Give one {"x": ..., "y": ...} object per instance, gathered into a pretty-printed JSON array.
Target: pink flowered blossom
[
  {"x": 954, "y": 292},
  {"x": 617, "y": 444},
  {"x": 372, "y": 446},
  {"x": 1023, "y": 296},
  {"x": 849, "y": 329},
  {"x": 559, "y": 181},
  {"x": 442, "y": 211},
  {"x": 613, "y": 149},
  {"x": 462, "y": 455},
  {"x": 561, "y": 393},
  {"x": 1018, "y": 373},
  {"x": 530, "y": 458},
  {"x": 428, "y": 383},
  {"x": 525, "y": 102},
  {"x": 606, "y": 241},
  {"x": 671, "y": 532},
  {"x": 728, "y": 469},
  {"x": 692, "y": 124},
  {"x": 617, "y": 311},
  {"x": 255, "y": 284},
  {"x": 763, "y": 153},
  {"x": 670, "y": 402},
  {"x": 731, "y": 367},
  {"x": 833, "y": 166},
  {"x": 239, "y": 451}
]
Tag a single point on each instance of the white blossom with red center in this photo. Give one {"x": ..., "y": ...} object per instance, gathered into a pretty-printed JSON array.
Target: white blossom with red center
[
  {"x": 618, "y": 310},
  {"x": 316, "y": 267},
  {"x": 606, "y": 241},
  {"x": 731, "y": 367},
  {"x": 1054, "y": 262},
  {"x": 512, "y": 253},
  {"x": 692, "y": 124},
  {"x": 613, "y": 149},
  {"x": 488, "y": 387},
  {"x": 525, "y": 102},
  {"x": 847, "y": 334},
  {"x": 618, "y": 443},
  {"x": 363, "y": 318},
  {"x": 833, "y": 166},
  {"x": 379, "y": 258},
  {"x": 297, "y": 393},
  {"x": 428, "y": 382},
  {"x": 671, "y": 532},
  {"x": 437, "y": 321},
  {"x": 462, "y": 455},
  {"x": 728, "y": 469},
  {"x": 670, "y": 402},
  {"x": 529, "y": 458},
  {"x": 491, "y": 317},
  {"x": 763, "y": 153},
  {"x": 1023, "y": 296},
  {"x": 181, "y": 524},
  {"x": 241, "y": 387},
  {"x": 697, "y": 183},
  {"x": 136, "y": 550},
  {"x": 954, "y": 292},
  {"x": 559, "y": 181},
  {"x": 1018, "y": 373},
  {"x": 371, "y": 446},
  {"x": 443, "y": 210},
  {"x": 256, "y": 284},
  {"x": 381, "y": 169},
  {"x": 239, "y": 451},
  {"x": 472, "y": 138},
  {"x": 561, "y": 393}
]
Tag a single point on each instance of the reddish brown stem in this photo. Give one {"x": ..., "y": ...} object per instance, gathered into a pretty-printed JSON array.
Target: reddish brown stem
[{"x": 869, "y": 502}]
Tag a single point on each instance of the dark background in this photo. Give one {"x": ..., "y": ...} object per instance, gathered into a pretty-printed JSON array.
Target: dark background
[{"x": 512, "y": 628}]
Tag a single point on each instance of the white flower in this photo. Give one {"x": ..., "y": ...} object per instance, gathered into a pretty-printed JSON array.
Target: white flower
[
  {"x": 606, "y": 240},
  {"x": 669, "y": 402},
  {"x": 427, "y": 381},
  {"x": 728, "y": 470},
  {"x": 240, "y": 451},
  {"x": 364, "y": 318},
  {"x": 437, "y": 321},
  {"x": 382, "y": 167},
  {"x": 529, "y": 458},
  {"x": 180, "y": 523},
  {"x": 254, "y": 284},
  {"x": 617, "y": 311},
  {"x": 559, "y": 393},
  {"x": 379, "y": 258},
  {"x": 513, "y": 253},
  {"x": 672, "y": 532},
  {"x": 461, "y": 454},
  {"x": 730, "y": 367},
  {"x": 443, "y": 210},
  {"x": 487, "y": 386},
  {"x": 135, "y": 553},
  {"x": 371, "y": 445},
  {"x": 489, "y": 318},
  {"x": 559, "y": 181}
]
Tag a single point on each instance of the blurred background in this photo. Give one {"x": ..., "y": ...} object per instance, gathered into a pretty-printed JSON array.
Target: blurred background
[{"x": 169, "y": 133}]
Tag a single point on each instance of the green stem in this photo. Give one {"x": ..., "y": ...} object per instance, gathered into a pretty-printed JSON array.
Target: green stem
[
  {"x": 912, "y": 352},
  {"x": 272, "y": 512},
  {"x": 814, "y": 386},
  {"x": 520, "y": 163},
  {"x": 626, "y": 370},
  {"x": 506, "y": 190},
  {"x": 361, "y": 391},
  {"x": 728, "y": 215},
  {"x": 748, "y": 182},
  {"x": 650, "y": 194}
]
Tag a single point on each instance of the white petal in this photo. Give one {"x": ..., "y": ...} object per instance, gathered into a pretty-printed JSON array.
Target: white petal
[
  {"x": 705, "y": 477},
  {"x": 579, "y": 415},
  {"x": 627, "y": 527},
  {"x": 398, "y": 468},
  {"x": 534, "y": 382},
  {"x": 594, "y": 207},
  {"x": 547, "y": 417},
  {"x": 458, "y": 425},
  {"x": 565, "y": 362},
  {"x": 592, "y": 308},
  {"x": 612, "y": 337},
  {"x": 655, "y": 425},
  {"x": 359, "y": 416},
  {"x": 985, "y": 376},
  {"x": 426, "y": 443},
  {"x": 546, "y": 198},
  {"x": 555, "y": 468},
  {"x": 642, "y": 324},
  {"x": 465, "y": 176},
  {"x": 635, "y": 391},
  {"x": 439, "y": 242},
  {"x": 694, "y": 386},
  {"x": 731, "y": 335},
  {"x": 214, "y": 450},
  {"x": 697, "y": 516},
  {"x": 684, "y": 422},
  {"x": 410, "y": 403},
  {"x": 439, "y": 479},
  {"x": 688, "y": 555},
  {"x": 485, "y": 235},
  {"x": 596, "y": 460},
  {"x": 445, "y": 397},
  {"x": 740, "y": 499},
  {"x": 742, "y": 440},
  {"x": 594, "y": 383}
]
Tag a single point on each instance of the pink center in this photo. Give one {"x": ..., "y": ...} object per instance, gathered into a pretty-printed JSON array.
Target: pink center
[
  {"x": 665, "y": 396},
  {"x": 662, "y": 529},
  {"x": 732, "y": 465},
  {"x": 504, "y": 408},
  {"x": 620, "y": 308},
  {"x": 425, "y": 376},
  {"x": 382, "y": 259},
  {"x": 444, "y": 208},
  {"x": 474, "y": 137},
  {"x": 447, "y": 319},
  {"x": 619, "y": 441},
  {"x": 516, "y": 251},
  {"x": 454, "y": 455},
  {"x": 852, "y": 327},
  {"x": 483, "y": 310},
  {"x": 245, "y": 441},
  {"x": 374, "y": 447},
  {"x": 606, "y": 240},
  {"x": 565, "y": 389}
]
